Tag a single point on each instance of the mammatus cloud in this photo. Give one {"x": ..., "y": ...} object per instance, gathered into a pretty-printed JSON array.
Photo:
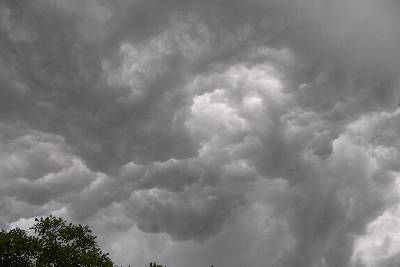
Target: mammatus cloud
[{"x": 256, "y": 133}]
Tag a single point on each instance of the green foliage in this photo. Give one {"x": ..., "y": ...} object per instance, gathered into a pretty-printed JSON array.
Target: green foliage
[
  {"x": 56, "y": 243},
  {"x": 17, "y": 248}
]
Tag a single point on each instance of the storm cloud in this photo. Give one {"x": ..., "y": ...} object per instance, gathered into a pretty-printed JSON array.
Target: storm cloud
[{"x": 227, "y": 132}]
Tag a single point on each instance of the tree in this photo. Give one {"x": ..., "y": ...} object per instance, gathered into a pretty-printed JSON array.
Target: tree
[
  {"x": 55, "y": 243},
  {"x": 17, "y": 248},
  {"x": 153, "y": 264}
]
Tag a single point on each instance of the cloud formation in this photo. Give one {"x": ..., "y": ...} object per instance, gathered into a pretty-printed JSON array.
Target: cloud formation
[{"x": 256, "y": 133}]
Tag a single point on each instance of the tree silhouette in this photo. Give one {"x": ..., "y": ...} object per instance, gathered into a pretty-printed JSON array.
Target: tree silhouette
[
  {"x": 55, "y": 243},
  {"x": 17, "y": 248},
  {"x": 153, "y": 264}
]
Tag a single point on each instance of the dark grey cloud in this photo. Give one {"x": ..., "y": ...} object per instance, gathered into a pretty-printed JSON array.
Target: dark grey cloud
[{"x": 256, "y": 133}]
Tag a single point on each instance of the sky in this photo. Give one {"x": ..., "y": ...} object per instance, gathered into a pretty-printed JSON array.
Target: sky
[{"x": 257, "y": 133}]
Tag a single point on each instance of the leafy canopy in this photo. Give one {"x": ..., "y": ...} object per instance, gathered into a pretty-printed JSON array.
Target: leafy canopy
[{"x": 55, "y": 243}]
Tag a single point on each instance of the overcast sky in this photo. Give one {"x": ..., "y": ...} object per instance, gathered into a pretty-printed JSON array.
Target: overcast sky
[{"x": 252, "y": 133}]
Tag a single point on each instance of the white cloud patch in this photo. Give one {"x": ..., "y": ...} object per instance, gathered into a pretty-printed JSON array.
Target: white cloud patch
[{"x": 380, "y": 245}]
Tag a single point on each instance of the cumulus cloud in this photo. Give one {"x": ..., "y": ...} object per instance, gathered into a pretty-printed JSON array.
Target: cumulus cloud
[{"x": 258, "y": 133}]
